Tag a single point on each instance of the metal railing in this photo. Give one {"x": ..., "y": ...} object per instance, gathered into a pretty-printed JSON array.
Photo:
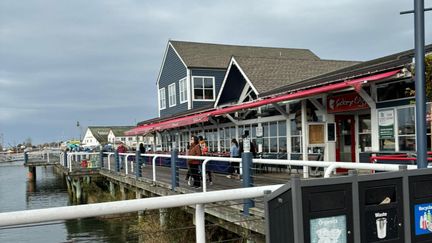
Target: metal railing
[
  {"x": 74, "y": 159},
  {"x": 128, "y": 206}
]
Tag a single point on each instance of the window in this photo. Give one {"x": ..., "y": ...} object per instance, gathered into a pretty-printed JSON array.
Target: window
[
  {"x": 172, "y": 95},
  {"x": 162, "y": 99},
  {"x": 365, "y": 137},
  {"x": 406, "y": 129},
  {"x": 396, "y": 90},
  {"x": 274, "y": 139},
  {"x": 203, "y": 88},
  {"x": 397, "y": 129},
  {"x": 182, "y": 90}
]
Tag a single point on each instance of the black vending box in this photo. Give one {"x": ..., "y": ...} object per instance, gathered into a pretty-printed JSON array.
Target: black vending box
[
  {"x": 279, "y": 216},
  {"x": 420, "y": 188},
  {"x": 327, "y": 213},
  {"x": 381, "y": 210}
]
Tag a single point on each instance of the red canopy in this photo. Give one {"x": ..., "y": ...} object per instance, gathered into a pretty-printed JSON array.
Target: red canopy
[{"x": 203, "y": 117}]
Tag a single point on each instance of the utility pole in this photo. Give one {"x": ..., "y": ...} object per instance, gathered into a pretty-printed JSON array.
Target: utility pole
[
  {"x": 1, "y": 142},
  {"x": 420, "y": 95}
]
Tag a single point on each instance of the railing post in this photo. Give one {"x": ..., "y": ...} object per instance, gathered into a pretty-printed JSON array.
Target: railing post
[
  {"x": 174, "y": 170},
  {"x": 101, "y": 160},
  {"x": 65, "y": 159},
  {"x": 247, "y": 180},
  {"x": 26, "y": 158},
  {"x": 200, "y": 223},
  {"x": 138, "y": 163},
  {"x": 117, "y": 161}
]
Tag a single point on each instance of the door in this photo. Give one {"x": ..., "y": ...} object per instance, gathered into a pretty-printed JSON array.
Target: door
[{"x": 345, "y": 139}]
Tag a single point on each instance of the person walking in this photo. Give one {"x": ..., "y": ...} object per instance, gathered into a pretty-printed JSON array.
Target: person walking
[
  {"x": 234, "y": 153},
  {"x": 121, "y": 149},
  {"x": 194, "y": 150},
  {"x": 204, "y": 151}
]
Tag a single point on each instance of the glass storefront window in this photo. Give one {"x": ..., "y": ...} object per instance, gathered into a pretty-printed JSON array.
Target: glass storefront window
[
  {"x": 406, "y": 121},
  {"x": 273, "y": 129},
  {"x": 296, "y": 144},
  {"x": 396, "y": 90},
  {"x": 406, "y": 128},
  {"x": 365, "y": 138},
  {"x": 428, "y": 125},
  {"x": 282, "y": 128}
]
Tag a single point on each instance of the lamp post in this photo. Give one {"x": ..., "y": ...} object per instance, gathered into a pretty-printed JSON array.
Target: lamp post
[
  {"x": 79, "y": 130},
  {"x": 420, "y": 95}
]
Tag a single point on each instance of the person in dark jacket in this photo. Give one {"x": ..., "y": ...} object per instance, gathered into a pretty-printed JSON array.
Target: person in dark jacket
[{"x": 195, "y": 150}]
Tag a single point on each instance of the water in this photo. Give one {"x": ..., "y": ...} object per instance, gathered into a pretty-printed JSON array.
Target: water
[{"x": 16, "y": 193}]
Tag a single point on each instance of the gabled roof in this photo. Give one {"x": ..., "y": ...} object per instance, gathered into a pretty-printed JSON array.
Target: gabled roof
[
  {"x": 206, "y": 55},
  {"x": 266, "y": 74},
  {"x": 119, "y": 131},
  {"x": 100, "y": 133},
  {"x": 390, "y": 62}
]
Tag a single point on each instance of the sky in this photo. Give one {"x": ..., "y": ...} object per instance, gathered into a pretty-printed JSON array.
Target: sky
[{"x": 97, "y": 61}]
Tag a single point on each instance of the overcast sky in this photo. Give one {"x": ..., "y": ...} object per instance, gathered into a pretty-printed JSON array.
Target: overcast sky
[{"x": 97, "y": 61}]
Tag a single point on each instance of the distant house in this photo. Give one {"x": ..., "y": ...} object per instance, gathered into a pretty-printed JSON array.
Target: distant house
[
  {"x": 96, "y": 136},
  {"x": 116, "y": 135},
  {"x": 101, "y": 135}
]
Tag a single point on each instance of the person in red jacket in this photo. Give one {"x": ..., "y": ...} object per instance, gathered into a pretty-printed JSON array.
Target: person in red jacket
[
  {"x": 195, "y": 150},
  {"x": 121, "y": 149}
]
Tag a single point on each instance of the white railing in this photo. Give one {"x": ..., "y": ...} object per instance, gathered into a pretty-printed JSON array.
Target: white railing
[
  {"x": 128, "y": 206},
  {"x": 73, "y": 158},
  {"x": 328, "y": 166}
]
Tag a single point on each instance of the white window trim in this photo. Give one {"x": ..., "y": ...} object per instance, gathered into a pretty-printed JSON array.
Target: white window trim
[
  {"x": 182, "y": 84},
  {"x": 162, "y": 91},
  {"x": 170, "y": 94},
  {"x": 193, "y": 89}
]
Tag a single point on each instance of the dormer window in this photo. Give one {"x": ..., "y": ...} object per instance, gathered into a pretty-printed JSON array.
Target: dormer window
[{"x": 203, "y": 88}]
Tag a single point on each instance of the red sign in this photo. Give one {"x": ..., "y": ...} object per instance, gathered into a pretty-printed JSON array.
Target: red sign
[{"x": 345, "y": 102}]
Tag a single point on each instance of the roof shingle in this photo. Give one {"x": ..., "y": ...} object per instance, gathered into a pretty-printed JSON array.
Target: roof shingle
[
  {"x": 271, "y": 73},
  {"x": 206, "y": 55}
]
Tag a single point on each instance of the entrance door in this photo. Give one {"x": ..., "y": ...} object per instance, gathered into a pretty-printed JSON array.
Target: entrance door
[{"x": 345, "y": 138}]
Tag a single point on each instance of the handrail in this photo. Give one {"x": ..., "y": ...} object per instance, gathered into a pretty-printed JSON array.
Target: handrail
[
  {"x": 128, "y": 206},
  {"x": 155, "y": 156},
  {"x": 329, "y": 166},
  {"x": 109, "y": 159}
]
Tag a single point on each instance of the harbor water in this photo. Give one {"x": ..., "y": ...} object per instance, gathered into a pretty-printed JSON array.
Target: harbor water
[{"x": 49, "y": 190}]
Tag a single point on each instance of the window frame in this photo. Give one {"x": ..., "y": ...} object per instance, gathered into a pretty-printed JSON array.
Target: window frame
[
  {"x": 213, "y": 88},
  {"x": 183, "y": 90},
  {"x": 162, "y": 97},
  {"x": 172, "y": 94}
]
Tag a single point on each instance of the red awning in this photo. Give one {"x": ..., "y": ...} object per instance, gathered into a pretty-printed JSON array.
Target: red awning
[
  {"x": 356, "y": 83},
  {"x": 203, "y": 117},
  {"x": 178, "y": 122}
]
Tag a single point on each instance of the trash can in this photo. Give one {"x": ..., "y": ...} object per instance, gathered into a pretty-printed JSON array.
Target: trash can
[
  {"x": 381, "y": 210},
  {"x": 327, "y": 213},
  {"x": 420, "y": 188},
  {"x": 279, "y": 216}
]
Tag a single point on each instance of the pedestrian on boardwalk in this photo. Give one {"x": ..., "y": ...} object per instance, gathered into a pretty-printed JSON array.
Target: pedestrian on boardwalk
[
  {"x": 195, "y": 150},
  {"x": 234, "y": 169},
  {"x": 204, "y": 151},
  {"x": 188, "y": 174},
  {"x": 121, "y": 149}
]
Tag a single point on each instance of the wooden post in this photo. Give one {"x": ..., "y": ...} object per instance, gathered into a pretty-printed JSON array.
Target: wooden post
[{"x": 32, "y": 173}]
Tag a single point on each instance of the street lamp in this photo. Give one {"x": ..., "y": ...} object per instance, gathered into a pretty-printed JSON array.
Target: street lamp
[{"x": 420, "y": 93}]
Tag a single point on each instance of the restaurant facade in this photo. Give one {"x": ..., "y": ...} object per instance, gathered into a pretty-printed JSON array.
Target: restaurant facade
[{"x": 293, "y": 104}]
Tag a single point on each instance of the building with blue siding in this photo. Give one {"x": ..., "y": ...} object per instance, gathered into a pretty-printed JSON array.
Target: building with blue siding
[{"x": 293, "y": 104}]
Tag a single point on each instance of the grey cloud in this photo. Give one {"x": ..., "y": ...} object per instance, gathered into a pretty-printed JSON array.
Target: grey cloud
[{"x": 97, "y": 61}]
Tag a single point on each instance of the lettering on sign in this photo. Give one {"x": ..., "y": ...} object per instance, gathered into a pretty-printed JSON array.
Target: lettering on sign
[{"x": 346, "y": 102}]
